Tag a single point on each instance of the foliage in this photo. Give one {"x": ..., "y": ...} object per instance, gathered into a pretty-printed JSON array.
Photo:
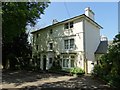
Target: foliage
[
  {"x": 77, "y": 70},
  {"x": 15, "y": 17},
  {"x": 56, "y": 66},
  {"x": 18, "y": 53},
  {"x": 109, "y": 64},
  {"x": 36, "y": 62}
]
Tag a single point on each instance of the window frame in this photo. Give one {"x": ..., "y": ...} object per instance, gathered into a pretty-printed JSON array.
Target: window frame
[
  {"x": 68, "y": 45},
  {"x": 67, "y": 64},
  {"x": 50, "y": 45},
  {"x": 66, "y": 26},
  {"x": 51, "y": 31},
  {"x": 72, "y": 44},
  {"x": 50, "y": 60},
  {"x": 69, "y": 25}
]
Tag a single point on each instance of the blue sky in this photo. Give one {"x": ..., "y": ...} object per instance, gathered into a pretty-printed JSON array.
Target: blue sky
[{"x": 106, "y": 14}]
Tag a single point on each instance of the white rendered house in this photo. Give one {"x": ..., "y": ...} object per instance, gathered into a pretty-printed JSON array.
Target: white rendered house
[{"x": 74, "y": 41}]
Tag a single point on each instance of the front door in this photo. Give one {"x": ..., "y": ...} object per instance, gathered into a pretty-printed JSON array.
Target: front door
[{"x": 44, "y": 62}]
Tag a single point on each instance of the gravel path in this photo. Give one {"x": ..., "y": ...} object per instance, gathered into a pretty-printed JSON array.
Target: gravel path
[{"x": 28, "y": 79}]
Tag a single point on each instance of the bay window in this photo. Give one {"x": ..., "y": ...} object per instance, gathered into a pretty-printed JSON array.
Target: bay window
[{"x": 68, "y": 61}]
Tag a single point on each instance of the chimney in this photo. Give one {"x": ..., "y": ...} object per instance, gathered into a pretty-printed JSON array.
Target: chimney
[
  {"x": 54, "y": 21},
  {"x": 89, "y": 13},
  {"x": 104, "y": 38}
]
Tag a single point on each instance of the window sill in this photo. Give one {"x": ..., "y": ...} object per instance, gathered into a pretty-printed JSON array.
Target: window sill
[
  {"x": 50, "y": 50},
  {"x": 69, "y": 49}
]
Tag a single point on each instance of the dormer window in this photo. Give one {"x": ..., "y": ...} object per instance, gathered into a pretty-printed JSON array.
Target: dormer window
[{"x": 68, "y": 25}]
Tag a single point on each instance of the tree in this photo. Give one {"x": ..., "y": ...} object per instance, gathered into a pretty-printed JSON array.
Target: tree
[
  {"x": 15, "y": 17},
  {"x": 109, "y": 66}
]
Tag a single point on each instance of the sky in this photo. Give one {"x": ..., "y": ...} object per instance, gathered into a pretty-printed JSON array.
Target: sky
[{"x": 106, "y": 14}]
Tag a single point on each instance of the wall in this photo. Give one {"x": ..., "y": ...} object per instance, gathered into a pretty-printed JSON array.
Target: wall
[
  {"x": 92, "y": 40},
  {"x": 58, "y": 36}
]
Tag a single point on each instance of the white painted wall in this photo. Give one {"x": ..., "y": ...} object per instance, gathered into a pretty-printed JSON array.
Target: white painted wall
[
  {"x": 92, "y": 40},
  {"x": 58, "y": 37}
]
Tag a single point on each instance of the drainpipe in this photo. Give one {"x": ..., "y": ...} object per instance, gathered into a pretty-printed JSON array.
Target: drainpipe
[{"x": 84, "y": 46}]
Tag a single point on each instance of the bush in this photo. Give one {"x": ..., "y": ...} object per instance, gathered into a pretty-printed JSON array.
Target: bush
[
  {"x": 77, "y": 71},
  {"x": 97, "y": 71},
  {"x": 56, "y": 66}
]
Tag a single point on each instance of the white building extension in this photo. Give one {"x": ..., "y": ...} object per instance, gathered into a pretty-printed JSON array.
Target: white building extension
[{"x": 74, "y": 41}]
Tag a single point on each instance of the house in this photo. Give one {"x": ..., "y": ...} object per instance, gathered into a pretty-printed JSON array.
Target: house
[
  {"x": 102, "y": 48},
  {"x": 74, "y": 41}
]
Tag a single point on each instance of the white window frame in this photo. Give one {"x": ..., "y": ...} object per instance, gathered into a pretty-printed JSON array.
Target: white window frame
[
  {"x": 69, "y": 25},
  {"x": 68, "y": 57},
  {"x": 67, "y": 46}
]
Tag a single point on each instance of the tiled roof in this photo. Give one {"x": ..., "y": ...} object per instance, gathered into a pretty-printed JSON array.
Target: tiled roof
[{"x": 102, "y": 48}]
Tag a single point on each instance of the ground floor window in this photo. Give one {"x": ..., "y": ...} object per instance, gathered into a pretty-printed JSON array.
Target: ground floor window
[
  {"x": 65, "y": 62},
  {"x": 68, "y": 61},
  {"x": 50, "y": 60},
  {"x": 72, "y": 63}
]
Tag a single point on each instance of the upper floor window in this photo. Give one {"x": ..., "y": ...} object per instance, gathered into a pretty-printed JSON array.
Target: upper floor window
[
  {"x": 50, "y": 46},
  {"x": 68, "y": 25},
  {"x": 37, "y": 35},
  {"x": 51, "y": 31},
  {"x": 71, "y": 24},
  {"x": 69, "y": 44},
  {"x": 66, "y": 44}
]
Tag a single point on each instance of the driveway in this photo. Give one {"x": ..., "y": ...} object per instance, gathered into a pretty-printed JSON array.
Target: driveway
[{"x": 38, "y": 80}]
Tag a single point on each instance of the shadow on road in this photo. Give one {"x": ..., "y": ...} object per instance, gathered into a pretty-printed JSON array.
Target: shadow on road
[
  {"x": 85, "y": 82},
  {"x": 20, "y": 77}
]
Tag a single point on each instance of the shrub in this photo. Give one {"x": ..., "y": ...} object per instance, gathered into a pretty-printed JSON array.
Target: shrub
[
  {"x": 77, "y": 71},
  {"x": 97, "y": 71},
  {"x": 56, "y": 66}
]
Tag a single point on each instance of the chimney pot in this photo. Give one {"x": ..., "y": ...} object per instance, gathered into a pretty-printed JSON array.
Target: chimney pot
[
  {"x": 54, "y": 21},
  {"x": 89, "y": 13}
]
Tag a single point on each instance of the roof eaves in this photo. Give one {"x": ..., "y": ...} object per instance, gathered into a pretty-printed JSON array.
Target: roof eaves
[
  {"x": 82, "y": 15},
  {"x": 94, "y": 22},
  {"x": 64, "y": 21}
]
